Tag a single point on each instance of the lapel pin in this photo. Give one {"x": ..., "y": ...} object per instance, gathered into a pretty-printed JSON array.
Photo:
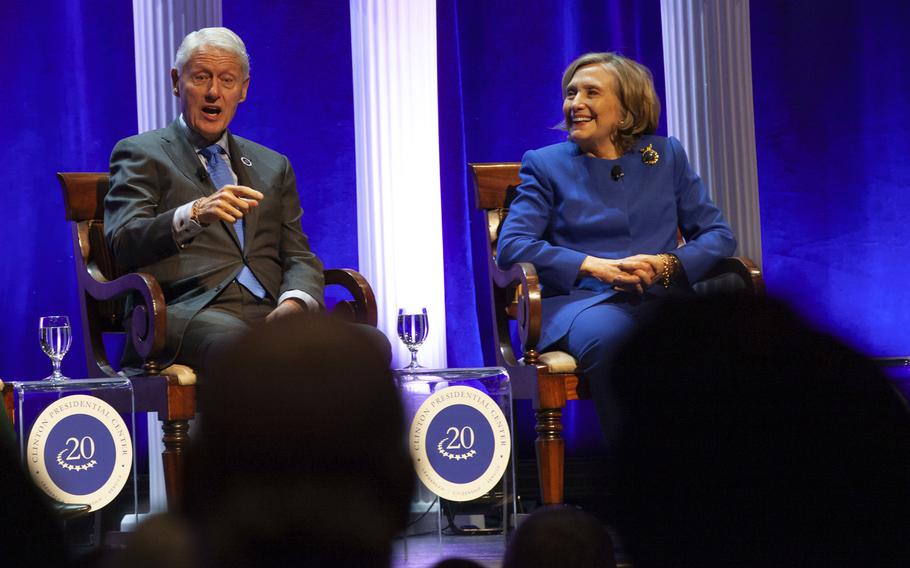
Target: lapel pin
[
  {"x": 246, "y": 161},
  {"x": 649, "y": 155}
]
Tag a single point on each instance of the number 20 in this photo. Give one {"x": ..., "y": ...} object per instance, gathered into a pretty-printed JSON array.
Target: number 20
[
  {"x": 80, "y": 447},
  {"x": 463, "y": 438}
]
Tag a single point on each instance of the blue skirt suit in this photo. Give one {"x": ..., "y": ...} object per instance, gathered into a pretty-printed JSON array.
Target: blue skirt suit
[{"x": 569, "y": 206}]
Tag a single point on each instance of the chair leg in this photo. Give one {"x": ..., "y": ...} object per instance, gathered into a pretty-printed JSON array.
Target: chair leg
[
  {"x": 176, "y": 440},
  {"x": 551, "y": 455},
  {"x": 551, "y": 449}
]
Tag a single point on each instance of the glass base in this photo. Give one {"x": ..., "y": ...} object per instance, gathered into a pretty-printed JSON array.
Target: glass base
[{"x": 56, "y": 378}]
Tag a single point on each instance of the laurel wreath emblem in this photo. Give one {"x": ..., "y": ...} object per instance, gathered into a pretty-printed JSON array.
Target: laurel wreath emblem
[
  {"x": 458, "y": 457},
  {"x": 68, "y": 467}
]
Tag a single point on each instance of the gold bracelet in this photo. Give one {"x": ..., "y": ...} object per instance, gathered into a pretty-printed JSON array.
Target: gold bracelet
[
  {"x": 194, "y": 214},
  {"x": 667, "y": 274}
]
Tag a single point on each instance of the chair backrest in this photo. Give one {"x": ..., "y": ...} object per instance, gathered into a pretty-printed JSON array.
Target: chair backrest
[
  {"x": 494, "y": 188},
  {"x": 83, "y": 196}
]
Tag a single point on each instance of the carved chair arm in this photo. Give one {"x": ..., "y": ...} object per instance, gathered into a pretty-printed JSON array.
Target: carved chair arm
[
  {"x": 148, "y": 326},
  {"x": 362, "y": 307},
  {"x": 516, "y": 294},
  {"x": 741, "y": 267}
]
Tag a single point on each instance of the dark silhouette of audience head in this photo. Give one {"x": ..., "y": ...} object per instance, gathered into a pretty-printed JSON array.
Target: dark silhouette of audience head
[
  {"x": 32, "y": 534},
  {"x": 560, "y": 536},
  {"x": 751, "y": 440},
  {"x": 301, "y": 457}
]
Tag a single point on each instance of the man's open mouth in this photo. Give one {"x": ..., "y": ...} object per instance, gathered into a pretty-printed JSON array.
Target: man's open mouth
[{"x": 211, "y": 110}]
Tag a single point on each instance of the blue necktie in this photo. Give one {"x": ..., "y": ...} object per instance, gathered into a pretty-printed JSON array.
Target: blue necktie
[{"x": 221, "y": 176}]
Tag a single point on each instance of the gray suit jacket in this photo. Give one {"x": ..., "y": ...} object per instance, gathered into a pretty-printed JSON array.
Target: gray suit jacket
[{"x": 154, "y": 173}]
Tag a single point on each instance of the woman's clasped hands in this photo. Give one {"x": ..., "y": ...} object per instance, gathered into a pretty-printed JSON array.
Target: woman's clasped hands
[{"x": 633, "y": 274}]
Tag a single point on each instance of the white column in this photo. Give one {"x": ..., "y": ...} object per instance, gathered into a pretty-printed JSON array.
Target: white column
[
  {"x": 399, "y": 219},
  {"x": 158, "y": 28},
  {"x": 708, "y": 76}
]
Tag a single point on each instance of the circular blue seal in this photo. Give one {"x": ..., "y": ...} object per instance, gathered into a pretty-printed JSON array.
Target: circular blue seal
[
  {"x": 460, "y": 443},
  {"x": 80, "y": 454},
  {"x": 80, "y": 451}
]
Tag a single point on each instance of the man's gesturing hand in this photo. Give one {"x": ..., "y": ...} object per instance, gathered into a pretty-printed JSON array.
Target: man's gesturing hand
[{"x": 229, "y": 203}]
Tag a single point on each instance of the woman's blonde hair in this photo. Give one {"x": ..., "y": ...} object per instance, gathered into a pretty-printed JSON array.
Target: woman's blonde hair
[{"x": 634, "y": 89}]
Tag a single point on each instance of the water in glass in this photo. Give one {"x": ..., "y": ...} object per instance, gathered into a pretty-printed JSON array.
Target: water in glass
[
  {"x": 413, "y": 327},
  {"x": 56, "y": 337}
]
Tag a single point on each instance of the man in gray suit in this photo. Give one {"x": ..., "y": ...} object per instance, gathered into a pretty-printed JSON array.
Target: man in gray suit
[{"x": 213, "y": 217}]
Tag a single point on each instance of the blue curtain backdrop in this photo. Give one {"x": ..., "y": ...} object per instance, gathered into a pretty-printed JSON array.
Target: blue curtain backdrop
[
  {"x": 72, "y": 95},
  {"x": 500, "y": 64},
  {"x": 301, "y": 103},
  {"x": 832, "y": 121}
]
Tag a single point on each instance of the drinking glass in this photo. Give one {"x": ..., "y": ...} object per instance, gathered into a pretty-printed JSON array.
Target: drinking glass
[
  {"x": 56, "y": 337},
  {"x": 412, "y": 330}
]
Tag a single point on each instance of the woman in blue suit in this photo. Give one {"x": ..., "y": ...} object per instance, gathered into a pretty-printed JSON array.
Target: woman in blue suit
[{"x": 598, "y": 215}]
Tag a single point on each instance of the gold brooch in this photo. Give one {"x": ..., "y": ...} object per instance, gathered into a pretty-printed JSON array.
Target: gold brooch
[{"x": 649, "y": 155}]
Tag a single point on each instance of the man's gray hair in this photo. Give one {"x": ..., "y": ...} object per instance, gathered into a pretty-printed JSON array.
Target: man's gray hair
[{"x": 222, "y": 38}]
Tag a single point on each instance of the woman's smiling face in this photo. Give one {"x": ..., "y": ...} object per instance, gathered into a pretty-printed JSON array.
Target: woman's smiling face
[{"x": 592, "y": 110}]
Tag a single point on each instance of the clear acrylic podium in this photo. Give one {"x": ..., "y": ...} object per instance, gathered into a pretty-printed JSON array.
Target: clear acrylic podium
[
  {"x": 77, "y": 439},
  {"x": 460, "y": 437}
]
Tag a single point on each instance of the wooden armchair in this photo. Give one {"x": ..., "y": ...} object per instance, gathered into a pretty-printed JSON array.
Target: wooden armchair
[
  {"x": 516, "y": 298},
  {"x": 103, "y": 290}
]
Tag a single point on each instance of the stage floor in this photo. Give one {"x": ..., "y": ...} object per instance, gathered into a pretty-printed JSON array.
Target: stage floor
[
  {"x": 487, "y": 550},
  {"x": 426, "y": 550}
]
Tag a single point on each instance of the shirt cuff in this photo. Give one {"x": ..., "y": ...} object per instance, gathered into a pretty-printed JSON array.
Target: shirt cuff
[
  {"x": 310, "y": 302},
  {"x": 184, "y": 227}
]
